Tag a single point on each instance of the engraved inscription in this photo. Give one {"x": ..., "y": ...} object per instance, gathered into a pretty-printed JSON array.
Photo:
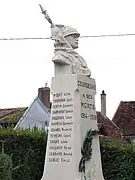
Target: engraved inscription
[{"x": 61, "y": 129}]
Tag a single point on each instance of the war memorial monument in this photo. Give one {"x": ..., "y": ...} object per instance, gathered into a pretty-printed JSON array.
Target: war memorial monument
[{"x": 73, "y": 150}]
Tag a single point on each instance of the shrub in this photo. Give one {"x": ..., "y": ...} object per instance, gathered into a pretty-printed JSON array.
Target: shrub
[
  {"x": 118, "y": 160},
  {"x": 5, "y": 167},
  {"x": 28, "y": 151}
]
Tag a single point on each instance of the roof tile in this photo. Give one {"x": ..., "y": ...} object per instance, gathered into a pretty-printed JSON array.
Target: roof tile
[
  {"x": 107, "y": 127},
  {"x": 124, "y": 117}
]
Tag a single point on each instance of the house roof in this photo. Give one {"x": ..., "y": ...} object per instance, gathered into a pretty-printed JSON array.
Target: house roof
[
  {"x": 124, "y": 117},
  {"x": 6, "y": 111},
  {"x": 107, "y": 127},
  {"x": 11, "y": 115}
]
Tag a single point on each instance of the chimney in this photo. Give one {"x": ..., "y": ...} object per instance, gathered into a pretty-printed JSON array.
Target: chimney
[
  {"x": 44, "y": 95},
  {"x": 103, "y": 103}
]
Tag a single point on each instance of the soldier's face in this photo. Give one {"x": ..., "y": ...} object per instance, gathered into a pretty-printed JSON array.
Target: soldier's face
[{"x": 73, "y": 40}]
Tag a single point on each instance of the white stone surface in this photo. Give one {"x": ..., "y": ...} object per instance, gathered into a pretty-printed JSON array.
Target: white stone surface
[
  {"x": 73, "y": 114},
  {"x": 66, "y": 59}
]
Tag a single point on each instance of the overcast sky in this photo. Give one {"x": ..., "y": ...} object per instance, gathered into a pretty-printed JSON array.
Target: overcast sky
[{"x": 26, "y": 65}]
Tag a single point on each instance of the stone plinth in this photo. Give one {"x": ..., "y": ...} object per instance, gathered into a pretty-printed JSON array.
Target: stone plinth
[{"x": 73, "y": 113}]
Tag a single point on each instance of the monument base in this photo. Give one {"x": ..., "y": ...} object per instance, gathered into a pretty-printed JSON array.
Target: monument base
[{"x": 73, "y": 114}]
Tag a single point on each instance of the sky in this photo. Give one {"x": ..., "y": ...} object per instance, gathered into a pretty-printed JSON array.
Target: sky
[{"x": 26, "y": 65}]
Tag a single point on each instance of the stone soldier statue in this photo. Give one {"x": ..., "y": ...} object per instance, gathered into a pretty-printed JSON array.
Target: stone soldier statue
[
  {"x": 66, "y": 59},
  {"x": 76, "y": 150}
]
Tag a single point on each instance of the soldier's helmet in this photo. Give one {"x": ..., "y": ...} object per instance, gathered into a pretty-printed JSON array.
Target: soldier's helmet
[{"x": 67, "y": 30}]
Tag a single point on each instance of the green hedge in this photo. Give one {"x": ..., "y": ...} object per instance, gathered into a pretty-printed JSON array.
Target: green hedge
[
  {"x": 118, "y": 160},
  {"x": 27, "y": 149},
  {"x": 5, "y": 167}
]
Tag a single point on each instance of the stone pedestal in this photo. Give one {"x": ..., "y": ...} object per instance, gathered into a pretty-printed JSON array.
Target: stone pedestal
[{"x": 73, "y": 113}]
